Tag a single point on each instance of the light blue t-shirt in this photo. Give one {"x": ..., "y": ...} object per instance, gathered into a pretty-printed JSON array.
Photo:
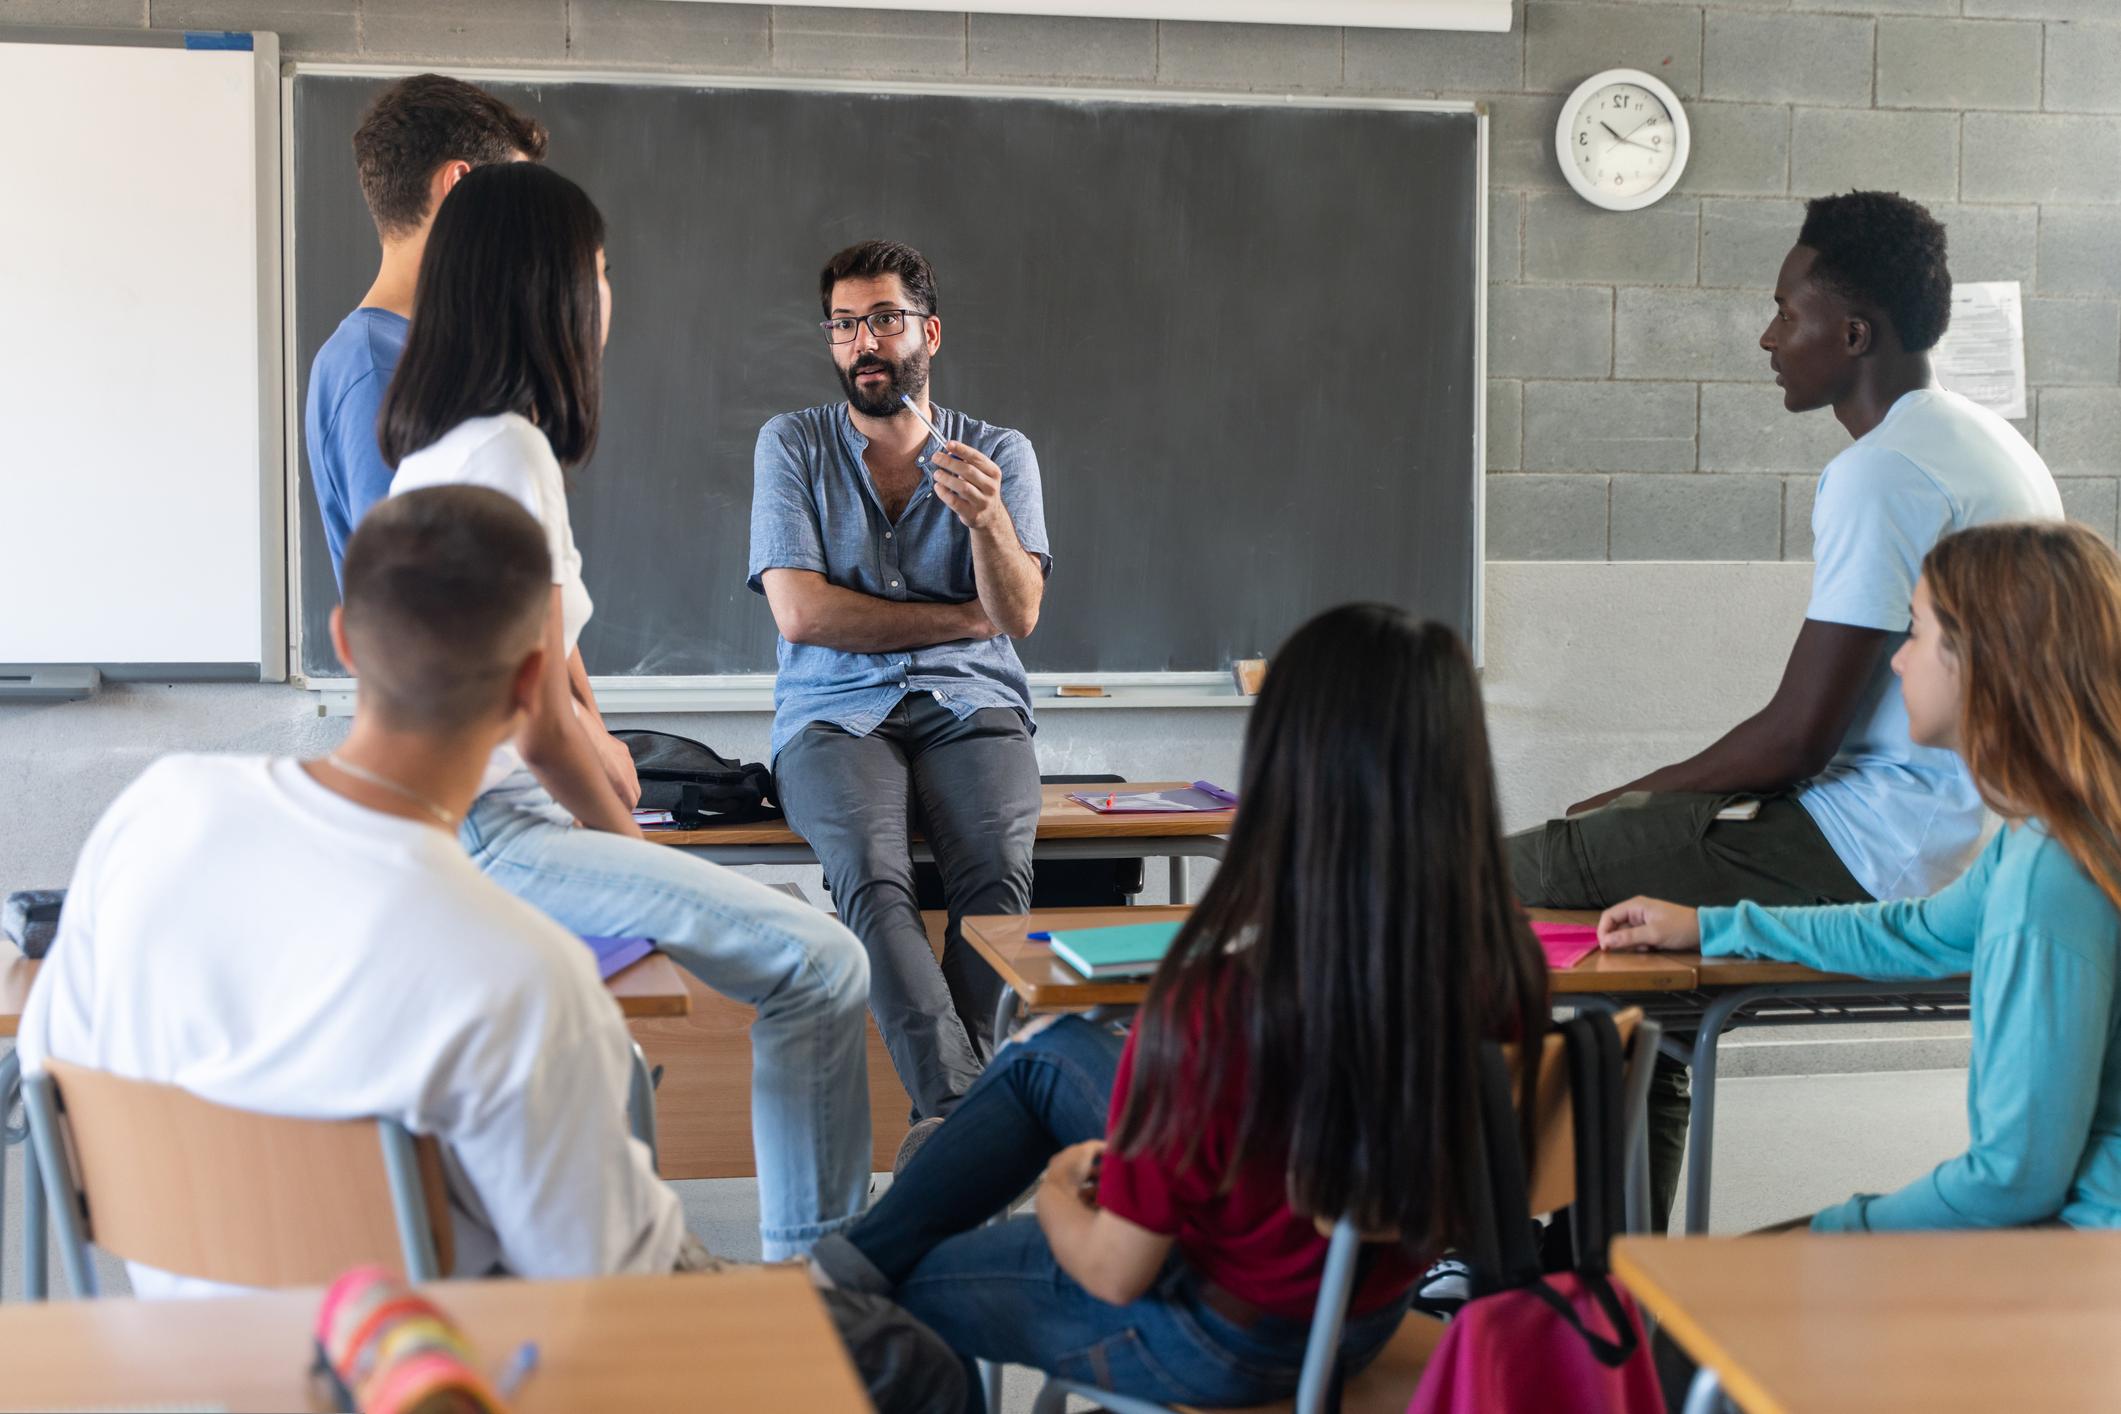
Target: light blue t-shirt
[
  {"x": 1906, "y": 819},
  {"x": 346, "y": 384},
  {"x": 813, "y": 507}
]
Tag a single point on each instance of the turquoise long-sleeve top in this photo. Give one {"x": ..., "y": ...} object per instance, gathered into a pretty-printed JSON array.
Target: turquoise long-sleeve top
[{"x": 2043, "y": 1094}]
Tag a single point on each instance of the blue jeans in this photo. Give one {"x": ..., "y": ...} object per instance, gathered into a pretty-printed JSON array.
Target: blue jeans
[
  {"x": 996, "y": 1293},
  {"x": 808, "y": 977}
]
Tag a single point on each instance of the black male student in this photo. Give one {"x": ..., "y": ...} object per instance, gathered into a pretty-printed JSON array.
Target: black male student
[{"x": 1821, "y": 797}]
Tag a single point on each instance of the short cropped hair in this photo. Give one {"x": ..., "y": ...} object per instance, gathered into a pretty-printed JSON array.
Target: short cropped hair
[
  {"x": 873, "y": 259},
  {"x": 418, "y": 124},
  {"x": 446, "y": 592},
  {"x": 1883, "y": 250}
]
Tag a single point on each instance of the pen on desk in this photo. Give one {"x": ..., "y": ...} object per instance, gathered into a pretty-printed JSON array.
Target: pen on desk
[
  {"x": 1039, "y": 937},
  {"x": 1109, "y": 799},
  {"x": 519, "y": 1368}
]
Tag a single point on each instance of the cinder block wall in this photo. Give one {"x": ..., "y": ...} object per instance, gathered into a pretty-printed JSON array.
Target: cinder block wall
[{"x": 1630, "y": 413}]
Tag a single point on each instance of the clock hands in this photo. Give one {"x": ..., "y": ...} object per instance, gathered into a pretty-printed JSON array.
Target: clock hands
[{"x": 1630, "y": 138}]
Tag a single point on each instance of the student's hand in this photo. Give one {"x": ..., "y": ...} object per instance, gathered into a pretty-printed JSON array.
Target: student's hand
[
  {"x": 970, "y": 484},
  {"x": 1596, "y": 802},
  {"x": 1071, "y": 1173},
  {"x": 1649, "y": 925},
  {"x": 618, "y": 765}
]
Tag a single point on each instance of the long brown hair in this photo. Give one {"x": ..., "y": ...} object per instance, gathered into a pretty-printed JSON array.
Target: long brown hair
[
  {"x": 2032, "y": 612},
  {"x": 1357, "y": 945}
]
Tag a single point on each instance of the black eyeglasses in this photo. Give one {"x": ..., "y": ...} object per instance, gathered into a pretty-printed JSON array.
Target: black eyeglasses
[{"x": 883, "y": 323}]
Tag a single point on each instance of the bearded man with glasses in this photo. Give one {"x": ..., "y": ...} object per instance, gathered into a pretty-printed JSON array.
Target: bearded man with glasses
[{"x": 902, "y": 547}]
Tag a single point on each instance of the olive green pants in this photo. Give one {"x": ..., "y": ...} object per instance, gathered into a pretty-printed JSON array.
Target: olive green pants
[{"x": 1671, "y": 846}]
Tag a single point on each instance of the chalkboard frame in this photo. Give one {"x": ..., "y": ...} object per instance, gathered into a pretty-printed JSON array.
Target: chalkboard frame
[{"x": 753, "y": 692}]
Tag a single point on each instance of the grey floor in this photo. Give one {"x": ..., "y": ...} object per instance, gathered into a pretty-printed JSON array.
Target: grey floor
[{"x": 1785, "y": 1144}]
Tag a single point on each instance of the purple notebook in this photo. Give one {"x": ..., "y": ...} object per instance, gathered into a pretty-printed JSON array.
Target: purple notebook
[
  {"x": 617, "y": 954},
  {"x": 1185, "y": 800}
]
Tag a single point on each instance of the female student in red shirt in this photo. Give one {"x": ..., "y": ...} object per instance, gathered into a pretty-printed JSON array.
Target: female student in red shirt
[{"x": 1308, "y": 1049}]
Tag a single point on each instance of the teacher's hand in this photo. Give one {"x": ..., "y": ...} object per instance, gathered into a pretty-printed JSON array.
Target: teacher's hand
[
  {"x": 970, "y": 484},
  {"x": 1649, "y": 925}
]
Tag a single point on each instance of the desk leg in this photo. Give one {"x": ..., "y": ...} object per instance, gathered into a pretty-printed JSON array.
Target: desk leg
[
  {"x": 640, "y": 1103},
  {"x": 10, "y": 1090},
  {"x": 1705, "y": 1394},
  {"x": 1004, "y": 1015},
  {"x": 1179, "y": 890},
  {"x": 1701, "y": 1104},
  {"x": 36, "y": 1285}
]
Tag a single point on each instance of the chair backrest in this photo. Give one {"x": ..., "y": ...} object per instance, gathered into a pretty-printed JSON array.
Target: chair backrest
[
  {"x": 154, "y": 1174},
  {"x": 1553, "y": 1160}
]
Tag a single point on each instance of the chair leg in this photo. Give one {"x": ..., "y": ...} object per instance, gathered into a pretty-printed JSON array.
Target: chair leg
[
  {"x": 990, "y": 1383},
  {"x": 640, "y": 1105},
  {"x": 1705, "y": 1394},
  {"x": 1052, "y": 1398},
  {"x": 48, "y": 1152}
]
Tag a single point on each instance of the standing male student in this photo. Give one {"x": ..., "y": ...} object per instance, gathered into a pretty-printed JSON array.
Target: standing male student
[
  {"x": 899, "y": 568},
  {"x": 1822, "y": 797},
  {"x": 418, "y": 138}
]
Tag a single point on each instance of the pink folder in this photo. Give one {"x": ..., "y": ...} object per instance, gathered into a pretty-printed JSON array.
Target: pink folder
[{"x": 1566, "y": 944}]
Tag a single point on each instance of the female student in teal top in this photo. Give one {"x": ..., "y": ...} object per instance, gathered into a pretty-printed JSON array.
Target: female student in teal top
[{"x": 2014, "y": 662}]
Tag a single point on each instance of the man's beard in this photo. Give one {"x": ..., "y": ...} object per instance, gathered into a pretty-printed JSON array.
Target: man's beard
[{"x": 908, "y": 376}]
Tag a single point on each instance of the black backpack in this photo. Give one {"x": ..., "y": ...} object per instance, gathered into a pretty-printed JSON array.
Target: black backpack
[{"x": 697, "y": 784}]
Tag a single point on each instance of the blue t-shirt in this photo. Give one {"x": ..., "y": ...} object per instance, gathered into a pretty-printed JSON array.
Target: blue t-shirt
[
  {"x": 813, "y": 507},
  {"x": 1906, "y": 819},
  {"x": 346, "y": 384}
]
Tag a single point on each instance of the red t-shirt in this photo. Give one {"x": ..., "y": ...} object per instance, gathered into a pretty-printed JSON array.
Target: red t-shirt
[{"x": 1246, "y": 1240}]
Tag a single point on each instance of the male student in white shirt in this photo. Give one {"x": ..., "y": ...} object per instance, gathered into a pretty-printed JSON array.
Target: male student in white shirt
[
  {"x": 309, "y": 938},
  {"x": 1822, "y": 797}
]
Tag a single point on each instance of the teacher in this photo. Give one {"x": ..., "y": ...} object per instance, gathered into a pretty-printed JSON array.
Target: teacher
[{"x": 899, "y": 565}]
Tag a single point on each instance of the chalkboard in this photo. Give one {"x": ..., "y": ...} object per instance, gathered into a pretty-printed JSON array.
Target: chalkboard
[{"x": 1241, "y": 336}]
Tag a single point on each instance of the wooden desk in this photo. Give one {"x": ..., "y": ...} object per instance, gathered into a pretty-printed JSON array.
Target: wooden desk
[
  {"x": 650, "y": 987},
  {"x": 747, "y": 1339},
  {"x": 1035, "y": 980},
  {"x": 1929, "y": 1322},
  {"x": 1066, "y": 830}
]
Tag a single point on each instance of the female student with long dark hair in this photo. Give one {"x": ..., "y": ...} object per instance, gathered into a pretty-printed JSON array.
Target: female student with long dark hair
[
  {"x": 1308, "y": 1050},
  {"x": 501, "y": 385},
  {"x": 2014, "y": 662}
]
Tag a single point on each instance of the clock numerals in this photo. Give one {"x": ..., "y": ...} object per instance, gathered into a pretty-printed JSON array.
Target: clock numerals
[{"x": 1628, "y": 135}]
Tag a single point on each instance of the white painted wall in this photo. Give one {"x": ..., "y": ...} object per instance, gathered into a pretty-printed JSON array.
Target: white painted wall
[{"x": 1596, "y": 672}]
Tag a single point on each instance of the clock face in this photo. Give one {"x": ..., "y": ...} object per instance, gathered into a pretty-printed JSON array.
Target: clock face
[{"x": 1623, "y": 141}]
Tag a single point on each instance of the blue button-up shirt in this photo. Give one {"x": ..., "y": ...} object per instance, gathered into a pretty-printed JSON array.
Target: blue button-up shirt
[{"x": 813, "y": 508}]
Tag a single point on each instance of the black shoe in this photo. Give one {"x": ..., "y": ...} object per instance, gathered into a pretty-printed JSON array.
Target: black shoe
[{"x": 916, "y": 1137}]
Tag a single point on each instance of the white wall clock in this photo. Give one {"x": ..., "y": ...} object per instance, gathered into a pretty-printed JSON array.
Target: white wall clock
[{"x": 1622, "y": 139}]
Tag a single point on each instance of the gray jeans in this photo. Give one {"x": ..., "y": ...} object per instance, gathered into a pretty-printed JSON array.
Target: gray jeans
[{"x": 971, "y": 788}]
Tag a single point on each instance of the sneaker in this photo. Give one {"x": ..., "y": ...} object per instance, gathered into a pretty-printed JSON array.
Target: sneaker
[
  {"x": 1444, "y": 1288},
  {"x": 916, "y": 1138}
]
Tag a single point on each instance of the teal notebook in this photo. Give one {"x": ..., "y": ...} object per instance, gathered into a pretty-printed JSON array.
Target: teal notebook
[{"x": 1129, "y": 950}]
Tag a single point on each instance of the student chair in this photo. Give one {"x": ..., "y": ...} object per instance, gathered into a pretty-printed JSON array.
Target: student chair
[
  {"x": 154, "y": 1174},
  {"x": 1387, "y": 1384}
]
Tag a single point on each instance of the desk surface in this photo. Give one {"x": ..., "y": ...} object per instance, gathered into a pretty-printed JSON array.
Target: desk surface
[
  {"x": 748, "y": 1339},
  {"x": 650, "y": 987},
  {"x": 1044, "y": 983},
  {"x": 1892, "y": 1321},
  {"x": 1059, "y": 818}
]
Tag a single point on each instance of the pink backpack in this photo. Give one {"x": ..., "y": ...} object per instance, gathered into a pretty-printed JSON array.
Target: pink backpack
[{"x": 1530, "y": 1342}]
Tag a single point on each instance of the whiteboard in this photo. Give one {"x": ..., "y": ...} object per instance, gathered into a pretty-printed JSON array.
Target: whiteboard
[{"x": 141, "y": 447}]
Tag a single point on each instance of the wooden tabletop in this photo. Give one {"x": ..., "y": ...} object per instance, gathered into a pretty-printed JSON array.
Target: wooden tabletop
[
  {"x": 650, "y": 987},
  {"x": 1059, "y": 818},
  {"x": 1883, "y": 1322},
  {"x": 1044, "y": 983},
  {"x": 754, "y": 1338}
]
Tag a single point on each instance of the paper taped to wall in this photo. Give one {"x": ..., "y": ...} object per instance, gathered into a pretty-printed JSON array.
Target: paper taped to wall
[{"x": 1982, "y": 355}]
